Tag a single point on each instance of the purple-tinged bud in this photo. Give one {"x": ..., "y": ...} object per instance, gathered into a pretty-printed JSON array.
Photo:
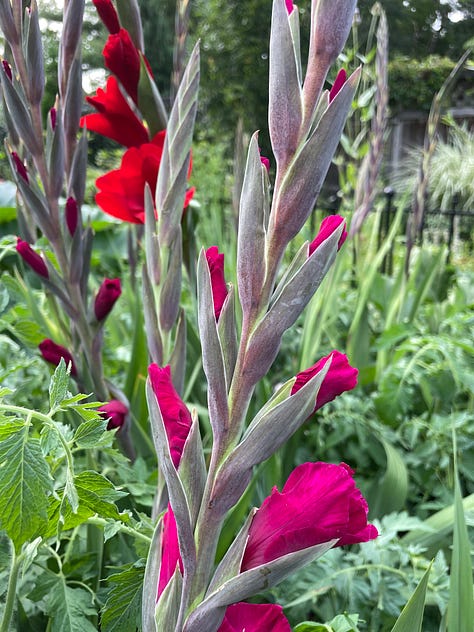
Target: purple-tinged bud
[
  {"x": 328, "y": 226},
  {"x": 72, "y": 215},
  {"x": 32, "y": 258},
  {"x": 108, "y": 15},
  {"x": 265, "y": 162},
  {"x": 20, "y": 167},
  {"x": 8, "y": 69},
  {"x": 53, "y": 353},
  {"x": 106, "y": 297},
  {"x": 52, "y": 118},
  {"x": 340, "y": 80},
  {"x": 116, "y": 412}
]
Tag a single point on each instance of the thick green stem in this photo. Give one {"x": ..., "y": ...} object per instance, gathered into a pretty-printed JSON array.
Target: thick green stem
[{"x": 11, "y": 592}]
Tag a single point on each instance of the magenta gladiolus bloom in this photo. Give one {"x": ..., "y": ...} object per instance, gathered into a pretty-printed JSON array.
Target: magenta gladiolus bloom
[
  {"x": 318, "y": 503},
  {"x": 53, "y": 353},
  {"x": 341, "y": 377},
  {"x": 328, "y": 226},
  {"x": 108, "y": 15},
  {"x": 122, "y": 58},
  {"x": 176, "y": 417},
  {"x": 32, "y": 258},
  {"x": 116, "y": 412},
  {"x": 254, "y": 617},
  {"x": 215, "y": 262},
  {"x": 106, "y": 297},
  {"x": 289, "y": 6},
  {"x": 340, "y": 80},
  {"x": 170, "y": 555}
]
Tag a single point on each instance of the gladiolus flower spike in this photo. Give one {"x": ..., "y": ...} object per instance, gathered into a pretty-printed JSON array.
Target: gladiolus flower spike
[
  {"x": 318, "y": 503},
  {"x": 108, "y": 15}
]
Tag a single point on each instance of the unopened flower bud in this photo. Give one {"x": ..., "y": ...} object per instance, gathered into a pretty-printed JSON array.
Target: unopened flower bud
[
  {"x": 72, "y": 215},
  {"x": 106, "y": 297},
  {"x": 289, "y": 6},
  {"x": 331, "y": 21},
  {"x": 52, "y": 117},
  {"x": 32, "y": 258},
  {"x": 20, "y": 166},
  {"x": 116, "y": 412},
  {"x": 328, "y": 226},
  {"x": 215, "y": 261},
  {"x": 8, "y": 69},
  {"x": 265, "y": 162},
  {"x": 338, "y": 83},
  {"x": 53, "y": 353},
  {"x": 108, "y": 15}
]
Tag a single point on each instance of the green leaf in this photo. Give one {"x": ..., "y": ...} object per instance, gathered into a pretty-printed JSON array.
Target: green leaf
[
  {"x": 411, "y": 617},
  {"x": 95, "y": 495},
  {"x": 461, "y": 602},
  {"x": 391, "y": 491},
  {"x": 90, "y": 433},
  {"x": 24, "y": 484},
  {"x": 69, "y": 607},
  {"x": 122, "y": 611},
  {"x": 58, "y": 386}
]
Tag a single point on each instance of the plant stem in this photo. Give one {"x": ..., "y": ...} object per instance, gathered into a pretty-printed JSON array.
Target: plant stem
[
  {"x": 101, "y": 522},
  {"x": 11, "y": 592}
]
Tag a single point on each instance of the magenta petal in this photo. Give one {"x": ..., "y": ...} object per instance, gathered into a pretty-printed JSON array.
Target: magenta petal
[
  {"x": 340, "y": 80},
  {"x": 340, "y": 377},
  {"x": 254, "y": 617},
  {"x": 319, "y": 502},
  {"x": 176, "y": 417},
  {"x": 328, "y": 226},
  {"x": 215, "y": 261},
  {"x": 170, "y": 555}
]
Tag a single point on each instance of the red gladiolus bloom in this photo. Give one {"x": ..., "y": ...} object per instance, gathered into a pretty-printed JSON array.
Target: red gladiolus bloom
[
  {"x": 108, "y": 15},
  {"x": 340, "y": 377},
  {"x": 254, "y": 617},
  {"x": 52, "y": 117},
  {"x": 8, "y": 69},
  {"x": 122, "y": 58},
  {"x": 32, "y": 258},
  {"x": 176, "y": 417},
  {"x": 338, "y": 83},
  {"x": 114, "y": 118},
  {"x": 319, "y": 502},
  {"x": 328, "y": 226},
  {"x": 53, "y": 353},
  {"x": 170, "y": 555},
  {"x": 116, "y": 412},
  {"x": 121, "y": 191},
  {"x": 106, "y": 297},
  {"x": 215, "y": 262}
]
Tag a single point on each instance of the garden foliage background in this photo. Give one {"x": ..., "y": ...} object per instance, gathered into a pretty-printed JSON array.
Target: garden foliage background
[{"x": 407, "y": 429}]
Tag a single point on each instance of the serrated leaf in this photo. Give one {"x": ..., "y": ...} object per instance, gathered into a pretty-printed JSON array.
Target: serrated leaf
[
  {"x": 90, "y": 433},
  {"x": 59, "y": 385},
  {"x": 122, "y": 611},
  {"x": 69, "y": 607},
  {"x": 24, "y": 485}
]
